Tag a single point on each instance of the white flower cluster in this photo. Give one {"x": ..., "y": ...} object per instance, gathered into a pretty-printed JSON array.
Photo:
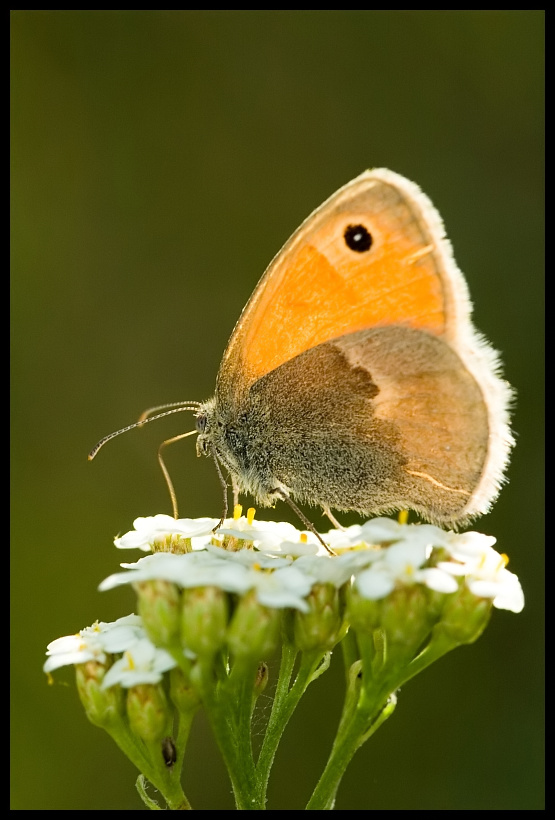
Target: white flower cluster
[
  {"x": 141, "y": 661},
  {"x": 377, "y": 555},
  {"x": 281, "y": 566}
]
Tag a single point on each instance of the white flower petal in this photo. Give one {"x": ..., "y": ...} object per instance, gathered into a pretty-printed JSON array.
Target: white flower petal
[
  {"x": 439, "y": 581},
  {"x": 70, "y": 658},
  {"x": 294, "y": 549},
  {"x": 286, "y": 587},
  {"x": 250, "y": 557},
  {"x": 511, "y": 596},
  {"x": 68, "y": 643},
  {"x": 380, "y": 530},
  {"x": 189, "y": 570},
  {"x": 374, "y": 583},
  {"x": 452, "y": 567},
  {"x": 483, "y": 588},
  {"x": 344, "y": 539},
  {"x": 141, "y": 663},
  {"x": 118, "y": 640},
  {"x": 93, "y": 642},
  {"x": 406, "y": 556},
  {"x": 464, "y": 546},
  {"x": 263, "y": 534},
  {"x": 322, "y": 569}
]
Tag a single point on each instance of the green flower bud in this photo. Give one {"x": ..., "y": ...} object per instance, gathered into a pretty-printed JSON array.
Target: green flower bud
[
  {"x": 363, "y": 614},
  {"x": 464, "y": 616},
  {"x": 149, "y": 712},
  {"x": 204, "y": 617},
  {"x": 405, "y": 616},
  {"x": 254, "y": 629},
  {"x": 159, "y": 607},
  {"x": 320, "y": 628},
  {"x": 391, "y": 630},
  {"x": 103, "y": 707},
  {"x": 183, "y": 696}
]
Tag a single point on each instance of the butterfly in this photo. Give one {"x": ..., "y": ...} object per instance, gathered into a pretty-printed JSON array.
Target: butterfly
[{"x": 354, "y": 378}]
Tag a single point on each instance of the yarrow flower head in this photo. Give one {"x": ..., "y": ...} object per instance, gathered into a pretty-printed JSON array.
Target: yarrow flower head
[
  {"x": 94, "y": 643},
  {"x": 275, "y": 582},
  {"x": 484, "y": 571},
  {"x": 376, "y": 556},
  {"x": 403, "y": 563},
  {"x": 216, "y": 602},
  {"x": 140, "y": 661},
  {"x": 164, "y": 533}
]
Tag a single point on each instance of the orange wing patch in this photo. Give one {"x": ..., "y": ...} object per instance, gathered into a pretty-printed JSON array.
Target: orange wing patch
[
  {"x": 317, "y": 288},
  {"x": 320, "y": 303}
]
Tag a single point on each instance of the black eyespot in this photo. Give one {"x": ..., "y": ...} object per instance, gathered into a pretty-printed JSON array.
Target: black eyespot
[{"x": 358, "y": 238}]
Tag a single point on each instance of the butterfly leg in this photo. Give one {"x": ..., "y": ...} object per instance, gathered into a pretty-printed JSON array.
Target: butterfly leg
[
  {"x": 333, "y": 519},
  {"x": 308, "y": 524},
  {"x": 235, "y": 491},
  {"x": 223, "y": 482}
]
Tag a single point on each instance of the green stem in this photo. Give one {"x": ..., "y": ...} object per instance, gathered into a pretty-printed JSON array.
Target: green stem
[
  {"x": 185, "y": 720},
  {"x": 438, "y": 646},
  {"x": 183, "y": 732},
  {"x": 144, "y": 759},
  {"x": 285, "y": 702},
  {"x": 368, "y": 703},
  {"x": 273, "y": 733},
  {"x": 228, "y": 708},
  {"x": 237, "y": 698},
  {"x": 355, "y": 728},
  {"x": 349, "y": 649},
  {"x": 141, "y": 785},
  {"x": 167, "y": 780}
]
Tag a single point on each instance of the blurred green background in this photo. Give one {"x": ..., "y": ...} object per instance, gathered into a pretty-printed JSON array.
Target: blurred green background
[{"x": 159, "y": 161}]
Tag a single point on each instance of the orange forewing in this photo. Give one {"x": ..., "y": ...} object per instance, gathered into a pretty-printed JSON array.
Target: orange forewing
[{"x": 317, "y": 289}]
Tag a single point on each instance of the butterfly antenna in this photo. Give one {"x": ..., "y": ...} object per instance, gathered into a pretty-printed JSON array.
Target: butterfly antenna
[
  {"x": 185, "y": 405},
  {"x": 178, "y": 407}
]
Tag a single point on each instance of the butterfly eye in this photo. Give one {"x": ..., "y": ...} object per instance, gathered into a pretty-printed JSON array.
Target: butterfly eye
[
  {"x": 201, "y": 422},
  {"x": 358, "y": 238}
]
